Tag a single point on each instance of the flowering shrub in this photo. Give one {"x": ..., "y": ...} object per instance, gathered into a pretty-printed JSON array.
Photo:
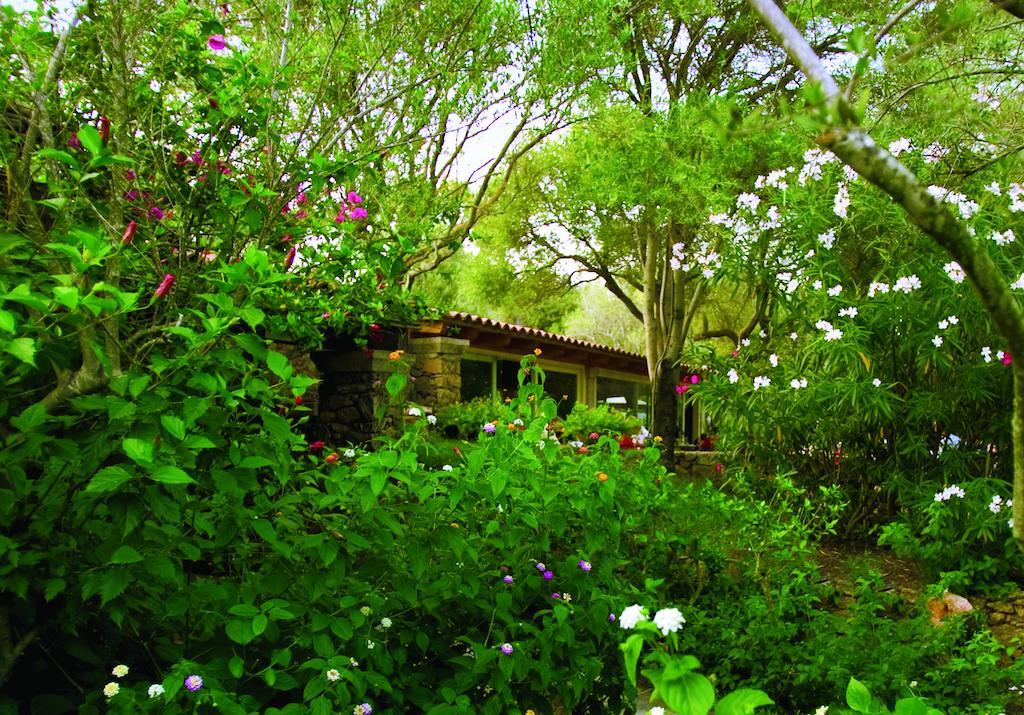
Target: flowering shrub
[{"x": 583, "y": 422}]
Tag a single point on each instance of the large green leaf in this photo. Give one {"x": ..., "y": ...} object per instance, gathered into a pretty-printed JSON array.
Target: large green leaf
[
  {"x": 125, "y": 555},
  {"x": 742, "y": 702},
  {"x": 108, "y": 479},
  {"x": 138, "y": 450},
  {"x": 168, "y": 474},
  {"x": 279, "y": 365},
  {"x": 631, "y": 654},
  {"x": 22, "y": 348},
  {"x": 90, "y": 138},
  {"x": 857, "y": 696},
  {"x": 691, "y": 694}
]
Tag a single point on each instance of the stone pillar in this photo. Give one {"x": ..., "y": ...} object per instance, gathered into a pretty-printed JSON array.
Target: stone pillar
[
  {"x": 351, "y": 393},
  {"x": 437, "y": 367}
]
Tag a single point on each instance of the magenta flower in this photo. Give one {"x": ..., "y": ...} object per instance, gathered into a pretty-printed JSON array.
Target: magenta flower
[
  {"x": 130, "y": 175},
  {"x": 165, "y": 286},
  {"x": 316, "y": 446},
  {"x": 358, "y": 213},
  {"x": 585, "y": 565},
  {"x": 694, "y": 379},
  {"x": 74, "y": 142},
  {"x": 508, "y": 579},
  {"x": 301, "y": 198},
  {"x": 718, "y": 467},
  {"x": 193, "y": 683},
  {"x": 129, "y": 232},
  {"x": 1007, "y": 359},
  {"x": 216, "y": 43},
  {"x": 548, "y": 575},
  {"x": 157, "y": 213},
  {"x": 131, "y": 195},
  {"x": 682, "y": 389},
  {"x": 354, "y": 198},
  {"x": 507, "y": 648},
  {"x": 342, "y": 217}
]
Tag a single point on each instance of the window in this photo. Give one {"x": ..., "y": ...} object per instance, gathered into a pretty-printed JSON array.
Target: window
[
  {"x": 561, "y": 387},
  {"x": 626, "y": 395},
  {"x": 477, "y": 379}
]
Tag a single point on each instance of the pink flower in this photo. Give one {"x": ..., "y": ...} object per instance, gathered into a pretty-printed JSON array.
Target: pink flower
[
  {"x": 129, "y": 232},
  {"x": 358, "y": 213},
  {"x": 301, "y": 198},
  {"x": 694, "y": 379},
  {"x": 216, "y": 43},
  {"x": 1007, "y": 359},
  {"x": 341, "y": 217},
  {"x": 157, "y": 213},
  {"x": 289, "y": 258},
  {"x": 680, "y": 389},
  {"x": 718, "y": 467},
  {"x": 129, "y": 175},
  {"x": 354, "y": 198},
  {"x": 594, "y": 435},
  {"x": 164, "y": 287},
  {"x": 131, "y": 195},
  {"x": 74, "y": 142},
  {"x": 316, "y": 446}
]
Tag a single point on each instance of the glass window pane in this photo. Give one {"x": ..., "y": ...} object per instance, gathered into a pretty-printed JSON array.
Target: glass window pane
[
  {"x": 476, "y": 379},
  {"x": 561, "y": 387}
]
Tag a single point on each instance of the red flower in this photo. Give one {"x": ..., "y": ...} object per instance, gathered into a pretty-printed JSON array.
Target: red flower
[
  {"x": 104, "y": 129},
  {"x": 298, "y": 399},
  {"x": 289, "y": 258},
  {"x": 627, "y": 442},
  {"x": 316, "y": 446},
  {"x": 164, "y": 287},
  {"x": 129, "y": 232}
]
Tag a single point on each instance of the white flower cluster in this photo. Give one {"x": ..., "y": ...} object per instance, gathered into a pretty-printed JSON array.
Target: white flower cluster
[
  {"x": 841, "y": 204},
  {"x": 876, "y": 287},
  {"x": 1016, "y": 194},
  {"x": 946, "y": 322},
  {"x": 831, "y": 332},
  {"x": 1003, "y": 239},
  {"x": 705, "y": 257},
  {"x": 949, "y": 492},
  {"x": 775, "y": 179},
  {"x": 986, "y": 353},
  {"x": 796, "y": 384},
  {"x": 996, "y": 505},
  {"x": 668, "y": 620},
  {"x": 994, "y": 189},
  {"x": 1019, "y": 283},
  {"x": 907, "y": 284},
  {"x": 828, "y": 238},
  {"x": 934, "y": 153},
  {"x": 900, "y": 146},
  {"x": 850, "y": 312},
  {"x": 835, "y": 290},
  {"x": 850, "y": 173},
  {"x": 964, "y": 205},
  {"x": 955, "y": 272},
  {"x": 761, "y": 381},
  {"x": 774, "y": 360},
  {"x": 748, "y": 201},
  {"x": 733, "y": 376},
  {"x": 814, "y": 161}
]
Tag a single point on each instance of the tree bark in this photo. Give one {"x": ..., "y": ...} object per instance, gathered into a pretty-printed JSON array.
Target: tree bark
[{"x": 665, "y": 411}]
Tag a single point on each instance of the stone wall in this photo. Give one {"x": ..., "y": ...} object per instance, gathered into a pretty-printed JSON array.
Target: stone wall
[
  {"x": 693, "y": 464},
  {"x": 350, "y": 393},
  {"x": 437, "y": 371}
]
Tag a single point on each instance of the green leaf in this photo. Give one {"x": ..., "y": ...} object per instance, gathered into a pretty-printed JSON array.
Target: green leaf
[
  {"x": 377, "y": 481},
  {"x": 125, "y": 555},
  {"x": 167, "y": 474},
  {"x": 59, "y": 155},
  {"x": 691, "y": 694},
  {"x": 113, "y": 584},
  {"x": 236, "y": 666},
  {"x": 395, "y": 384},
  {"x": 174, "y": 425},
  {"x": 24, "y": 349},
  {"x": 138, "y": 450},
  {"x": 857, "y": 696},
  {"x": 631, "y": 653},
  {"x": 742, "y": 702},
  {"x": 90, "y": 138},
  {"x": 259, "y": 624},
  {"x": 30, "y": 418},
  {"x": 911, "y": 706},
  {"x": 108, "y": 479},
  {"x": 6, "y": 321},
  {"x": 279, "y": 365},
  {"x": 239, "y": 631}
]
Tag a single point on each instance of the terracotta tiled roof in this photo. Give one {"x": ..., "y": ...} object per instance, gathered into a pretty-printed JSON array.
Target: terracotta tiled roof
[{"x": 476, "y": 320}]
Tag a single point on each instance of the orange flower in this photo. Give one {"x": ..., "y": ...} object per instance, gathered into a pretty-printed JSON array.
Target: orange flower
[
  {"x": 602, "y": 477},
  {"x": 395, "y": 355},
  {"x": 537, "y": 351}
]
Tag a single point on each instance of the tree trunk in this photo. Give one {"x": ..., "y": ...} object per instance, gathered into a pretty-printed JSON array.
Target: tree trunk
[{"x": 665, "y": 411}]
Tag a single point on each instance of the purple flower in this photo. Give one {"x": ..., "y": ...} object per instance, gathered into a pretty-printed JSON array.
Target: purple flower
[
  {"x": 358, "y": 213},
  {"x": 506, "y": 648},
  {"x": 131, "y": 195},
  {"x": 157, "y": 213},
  {"x": 548, "y": 575},
  {"x": 354, "y": 198},
  {"x": 365, "y": 709},
  {"x": 489, "y": 428},
  {"x": 508, "y": 579},
  {"x": 193, "y": 683},
  {"x": 585, "y": 565},
  {"x": 540, "y": 566},
  {"x": 74, "y": 142},
  {"x": 611, "y": 617},
  {"x": 556, "y": 594},
  {"x": 130, "y": 175},
  {"x": 216, "y": 43}
]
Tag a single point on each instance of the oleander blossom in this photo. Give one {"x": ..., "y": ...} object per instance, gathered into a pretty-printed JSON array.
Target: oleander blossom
[
  {"x": 631, "y": 616},
  {"x": 193, "y": 683},
  {"x": 669, "y": 620}
]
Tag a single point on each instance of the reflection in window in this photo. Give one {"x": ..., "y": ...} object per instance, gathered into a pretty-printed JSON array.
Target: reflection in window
[
  {"x": 561, "y": 387},
  {"x": 477, "y": 379},
  {"x": 625, "y": 395}
]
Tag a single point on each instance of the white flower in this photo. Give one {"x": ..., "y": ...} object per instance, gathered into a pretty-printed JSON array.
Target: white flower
[
  {"x": 119, "y": 671},
  {"x": 986, "y": 352},
  {"x": 353, "y": 662},
  {"x": 385, "y": 622},
  {"x": 432, "y": 419},
  {"x": 850, "y": 173},
  {"x": 656, "y": 710},
  {"x": 816, "y": 285},
  {"x": 996, "y": 505},
  {"x": 155, "y": 690},
  {"x": 733, "y": 376},
  {"x": 835, "y": 290},
  {"x": 900, "y": 145},
  {"x": 1019, "y": 283},
  {"x": 761, "y": 381},
  {"x": 793, "y": 336},
  {"x": 333, "y": 675},
  {"x": 669, "y": 620},
  {"x": 1016, "y": 194},
  {"x": 370, "y": 645},
  {"x": 517, "y": 422},
  {"x": 994, "y": 189},
  {"x": 747, "y": 201},
  {"x": 953, "y": 320},
  {"x": 951, "y": 491},
  {"x": 774, "y": 360},
  {"x": 943, "y": 324},
  {"x": 955, "y": 272},
  {"x": 937, "y": 341},
  {"x": 842, "y": 201},
  {"x": 796, "y": 384},
  {"x": 908, "y": 284},
  {"x": 877, "y": 288},
  {"x": 631, "y": 616},
  {"x": 1010, "y": 523},
  {"x": 1004, "y": 238},
  {"x": 1000, "y": 354},
  {"x": 850, "y": 312},
  {"x": 876, "y": 382},
  {"x": 934, "y": 153},
  {"x": 350, "y": 453},
  {"x": 415, "y": 412},
  {"x": 111, "y": 689},
  {"x": 828, "y": 238},
  {"x": 823, "y": 710},
  {"x": 446, "y": 468},
  {"x": 745, "y": 342}
]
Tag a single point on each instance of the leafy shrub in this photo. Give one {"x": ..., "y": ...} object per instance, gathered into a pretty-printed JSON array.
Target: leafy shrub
[
  {"x": 464, "y": 419},
  {"x": 583, "y": 421}
]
